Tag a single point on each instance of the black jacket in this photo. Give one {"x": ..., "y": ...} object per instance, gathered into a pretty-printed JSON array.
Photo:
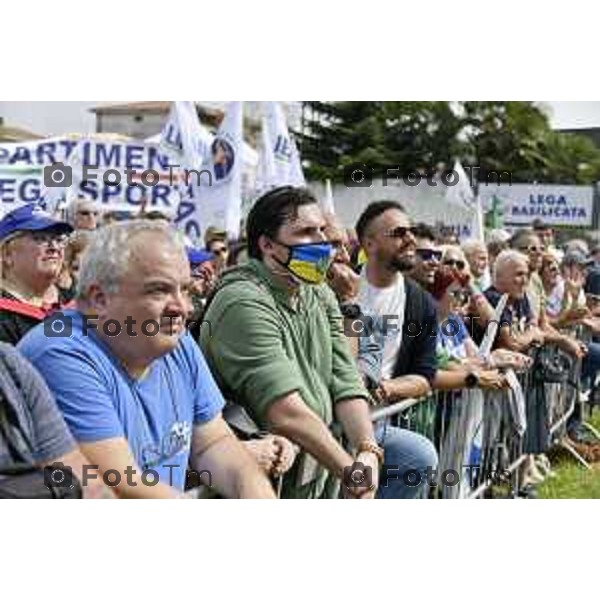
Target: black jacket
[{"x": 417, "y": 354}]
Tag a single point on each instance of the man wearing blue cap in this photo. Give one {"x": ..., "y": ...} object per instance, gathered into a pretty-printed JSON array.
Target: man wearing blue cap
[
  {"x": 203, "y": 278},
  {"x": 32, "y": 249}
]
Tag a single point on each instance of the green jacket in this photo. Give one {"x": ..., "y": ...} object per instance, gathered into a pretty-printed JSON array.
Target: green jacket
[{"x": 262, "y": 344}]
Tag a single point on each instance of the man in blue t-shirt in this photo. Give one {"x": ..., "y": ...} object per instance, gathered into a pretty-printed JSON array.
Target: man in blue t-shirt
[{"x": 132, "y": 385}]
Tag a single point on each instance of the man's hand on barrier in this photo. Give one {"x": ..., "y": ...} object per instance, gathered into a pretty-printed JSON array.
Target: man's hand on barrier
[
  {"x": 406, "y": 386},
  {"x": 572, "y": 347},
  {"x": 491, "y": 380},
  {"x": 507, "y": 359},
  {"x": 266, "y": 452},
  {"x": 368, "y": 465},
  {"x": 286, "y": 456},
  {"x": 574, "y": 315},
  {"x": 537, "y": 336}
]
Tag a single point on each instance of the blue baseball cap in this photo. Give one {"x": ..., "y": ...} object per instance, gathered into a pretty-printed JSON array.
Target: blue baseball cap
[
  {"x": 197, "y": 256},
  {"x": 30, "y": 217}
]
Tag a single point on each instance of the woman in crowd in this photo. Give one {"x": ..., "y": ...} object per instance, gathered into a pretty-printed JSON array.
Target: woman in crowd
[
  {"x": 565, "y": 299},
  {"x": 462, "y": 372}
]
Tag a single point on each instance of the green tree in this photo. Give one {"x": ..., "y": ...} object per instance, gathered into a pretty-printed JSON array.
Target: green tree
[
  {"x": 409, "y": 135},
  {"x": 495, "y": 136}
]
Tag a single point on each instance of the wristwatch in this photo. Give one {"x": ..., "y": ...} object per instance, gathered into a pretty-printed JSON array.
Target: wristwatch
[
  {"x": 472, "y": 380},
  {"x": 351, "y": 311},
  {"x": 372, "y": 447}
]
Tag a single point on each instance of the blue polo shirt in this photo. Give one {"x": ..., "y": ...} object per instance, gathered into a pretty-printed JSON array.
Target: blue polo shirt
[{"x": 99, "y": 400}]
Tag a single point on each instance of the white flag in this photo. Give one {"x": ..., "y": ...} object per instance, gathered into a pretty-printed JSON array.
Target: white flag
[
  {"x": 279, "y": 161},
  {"x": 327, "y": 203},
  {"x": 212, "y": 195},
  {"x": 221, "y": 203},
  {"x": 477, "y": 224},
  {"x": 462, "y": 195}
]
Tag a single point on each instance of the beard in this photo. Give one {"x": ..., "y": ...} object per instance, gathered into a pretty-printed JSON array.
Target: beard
[{"x": 402, "y": 263}]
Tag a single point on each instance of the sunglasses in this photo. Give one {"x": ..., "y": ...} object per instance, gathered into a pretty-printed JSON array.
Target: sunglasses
[
  {"x": 400, "y": 232},
  {"x": 429, "y": 255},
  {"x": 87, "y": 213},
  {"x": 459, "y": 264},
  {"x": 532, "y": 249},
  {"x": 461, "y": 296}
]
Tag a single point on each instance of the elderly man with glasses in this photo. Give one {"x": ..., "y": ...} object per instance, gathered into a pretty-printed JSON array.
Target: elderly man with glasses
[
  {"x": 83, "y": 214},
  {"x": 32, "y": 245}
]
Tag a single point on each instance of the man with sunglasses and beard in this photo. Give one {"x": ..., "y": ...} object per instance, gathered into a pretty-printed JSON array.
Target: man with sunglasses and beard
[
  {"x": 385, "y": 233},
  {"x": 32, "y": 245},
  {"x": 427, "y": 256},
  {"x": 405, "y": 316}
]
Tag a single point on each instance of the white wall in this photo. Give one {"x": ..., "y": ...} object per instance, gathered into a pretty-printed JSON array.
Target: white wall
[{"x": 422, "y": 202}]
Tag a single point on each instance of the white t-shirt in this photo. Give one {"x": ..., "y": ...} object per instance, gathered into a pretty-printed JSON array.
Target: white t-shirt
[{"x": 386, "y": 304}]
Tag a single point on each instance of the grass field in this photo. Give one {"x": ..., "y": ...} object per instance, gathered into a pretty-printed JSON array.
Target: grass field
[{"x": 572, "y": 480}]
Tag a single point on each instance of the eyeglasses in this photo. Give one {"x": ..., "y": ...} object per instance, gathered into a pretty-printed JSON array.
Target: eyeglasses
[
  {"x": 426, "y": 254},
  {"x": 45, "y": 238},
  {"x": 532, "y": 249},
  {"x": 452, "y": 262},
  {"x": 461, "y": 296},
  {"x": 400, "y": 232},
  {"x": 202, "y": 272}
]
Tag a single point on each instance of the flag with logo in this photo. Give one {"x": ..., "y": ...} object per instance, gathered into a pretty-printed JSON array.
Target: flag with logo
[
  {"x": 211, "y": 188},
  {"x": 462, "y": 195},
  {"x": 279, "y": 159}
]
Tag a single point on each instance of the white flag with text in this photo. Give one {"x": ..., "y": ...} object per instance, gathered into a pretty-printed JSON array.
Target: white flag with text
[{"x": 279, "y": 159}]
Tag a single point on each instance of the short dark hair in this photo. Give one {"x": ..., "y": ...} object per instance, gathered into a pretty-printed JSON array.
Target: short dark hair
[
  {"x": 539, "y": 225},
  {"x": 516, "y": 241},
  {"x": 372, "y": 212},
  {"x": 271, "y": 211},
  {"x": 424, "y": 232}
]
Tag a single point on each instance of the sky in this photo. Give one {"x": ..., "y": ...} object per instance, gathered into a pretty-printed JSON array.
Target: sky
[{"x": 57, "y": 118}]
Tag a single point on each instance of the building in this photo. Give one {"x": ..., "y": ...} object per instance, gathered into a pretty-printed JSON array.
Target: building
[
  {"x": 141, "y": 120},
  {"x": 16, "y": 134},
  {"x": 592, "y": 133}
]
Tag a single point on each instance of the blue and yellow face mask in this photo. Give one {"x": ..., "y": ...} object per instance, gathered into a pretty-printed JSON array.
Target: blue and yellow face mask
[{"x": 309, "y": 262}]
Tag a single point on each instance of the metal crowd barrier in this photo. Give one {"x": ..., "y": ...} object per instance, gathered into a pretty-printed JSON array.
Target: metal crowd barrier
[{"x": 485, "y": 436}]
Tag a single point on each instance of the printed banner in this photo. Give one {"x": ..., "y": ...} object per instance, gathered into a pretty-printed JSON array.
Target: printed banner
[
  {"x": 521, "y": 204},
  {"x": 117, "y": 175}
]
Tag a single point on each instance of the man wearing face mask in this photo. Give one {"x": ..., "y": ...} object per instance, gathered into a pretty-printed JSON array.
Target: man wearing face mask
[{"x": 276, "y": 347}]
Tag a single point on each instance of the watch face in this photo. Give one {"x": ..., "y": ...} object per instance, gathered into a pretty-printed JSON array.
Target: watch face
[
  {"x": 351, "y": 311},
  {"x": 471, "y": 380}
]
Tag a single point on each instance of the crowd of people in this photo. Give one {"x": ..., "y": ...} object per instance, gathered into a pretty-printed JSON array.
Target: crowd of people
[{"x": 144, "y": 364}]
